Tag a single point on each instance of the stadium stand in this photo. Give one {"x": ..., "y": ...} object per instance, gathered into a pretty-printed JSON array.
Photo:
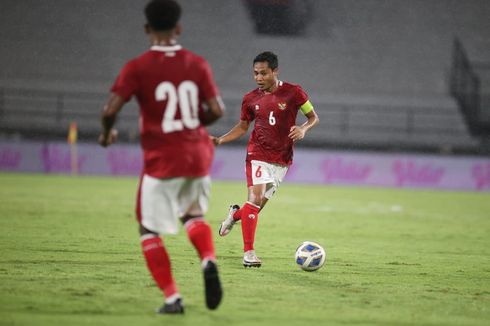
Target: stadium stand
[{"x": 377, "y": 71}]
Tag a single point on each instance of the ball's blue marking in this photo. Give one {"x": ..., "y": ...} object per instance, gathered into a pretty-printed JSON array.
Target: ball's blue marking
[
  {"x": 300, "y": 261},
  {"x": 316, "y": 261},
  {"x": 310, "y": 247}
]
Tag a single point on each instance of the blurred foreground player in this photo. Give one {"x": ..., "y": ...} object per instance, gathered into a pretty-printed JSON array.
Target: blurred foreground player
[
  {"x": 177, "y": 97},
  {"x": 273, "y": 108}
]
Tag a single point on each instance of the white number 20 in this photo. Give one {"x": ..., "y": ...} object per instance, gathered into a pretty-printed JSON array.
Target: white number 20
[{"x": 186, "y": 98}]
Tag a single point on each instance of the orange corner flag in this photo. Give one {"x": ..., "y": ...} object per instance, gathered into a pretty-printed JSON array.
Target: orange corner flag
[{"x": 72, "y": 133}]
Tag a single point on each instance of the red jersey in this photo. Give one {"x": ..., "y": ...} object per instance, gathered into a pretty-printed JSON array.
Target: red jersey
[
  {"x": 170, "y": 85},
  {"x": 274, "y": 115}
]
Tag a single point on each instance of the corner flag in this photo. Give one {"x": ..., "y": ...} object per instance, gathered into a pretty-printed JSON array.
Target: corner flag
[
  {"x": 72, "y": 133},
  {"x": 72, "y": 140}
]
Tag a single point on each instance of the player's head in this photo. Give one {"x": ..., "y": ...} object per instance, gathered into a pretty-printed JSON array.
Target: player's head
[
  {"x": 268, "y": 57},
  {"x": 162, "y": 15},
  {"x": 265, "y": 70}
]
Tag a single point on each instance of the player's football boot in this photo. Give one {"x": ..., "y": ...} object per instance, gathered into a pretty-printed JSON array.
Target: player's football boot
[
  {"x": 172, "y": 308},
  {"x": 229, "y": 222},
  {"x": 250, "y": 259},
  {"x": 212, "y": 285}
]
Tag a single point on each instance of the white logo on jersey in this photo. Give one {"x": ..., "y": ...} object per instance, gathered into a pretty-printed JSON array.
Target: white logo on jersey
[
  {"x": 251, "y": 216},
  {"x": 257, "y": 107}
]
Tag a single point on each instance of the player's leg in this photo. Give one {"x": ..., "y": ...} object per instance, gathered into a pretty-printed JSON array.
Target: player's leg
[
  {"x": 158, "y": 263},
  {"x": 264, "y": 202},
  {"x": 199, "y": 233},
  {"x": 236, "y": 211},
  {"x": 193, "y": 200},
  {"x": 234, "y": 216},
  {"x": 256, "y": 173},
  {"x": 264, "y": 187},
  {"x": 153, "y": 203},
  {"x": 250, "y": 218},
  {"x": 259, "y": 175}
]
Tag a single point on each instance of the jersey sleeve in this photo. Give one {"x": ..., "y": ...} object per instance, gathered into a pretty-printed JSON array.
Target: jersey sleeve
[
  {"x": 300, "y": 97},
  {"x": 246, "y": 113},
  {"x": 207, "y": 86},
  {"x": 126, "y": 83}
]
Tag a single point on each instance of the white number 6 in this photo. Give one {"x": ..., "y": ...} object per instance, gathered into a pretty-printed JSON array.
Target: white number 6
[{"x": 272, "y": 119}]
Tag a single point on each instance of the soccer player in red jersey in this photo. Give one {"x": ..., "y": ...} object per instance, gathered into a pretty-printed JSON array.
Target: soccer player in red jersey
[
  {"x": 177, "y": 97},
  {"x": 273, "y": 108}
]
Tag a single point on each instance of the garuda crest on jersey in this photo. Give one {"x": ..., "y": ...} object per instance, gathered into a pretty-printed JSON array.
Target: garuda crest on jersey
[{"x": 282, "y": 106}]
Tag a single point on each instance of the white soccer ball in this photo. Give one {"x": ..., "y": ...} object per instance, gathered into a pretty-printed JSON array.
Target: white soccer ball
[{"x": 310, "y": 256}]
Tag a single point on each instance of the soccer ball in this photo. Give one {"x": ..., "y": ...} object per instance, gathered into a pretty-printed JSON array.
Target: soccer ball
[{"x": 310, "y": 256}]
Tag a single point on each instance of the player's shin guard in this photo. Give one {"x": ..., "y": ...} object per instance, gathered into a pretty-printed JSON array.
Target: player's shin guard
[
  {"x": 158, "y": 263},
  {"x": 199, "y": 233},
  {"x": 250, "y": 217}
]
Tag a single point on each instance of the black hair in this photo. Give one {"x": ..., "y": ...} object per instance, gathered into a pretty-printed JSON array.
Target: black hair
[
  {"x": 162, "y": 15},
  {"x": 268, "y": 57}
]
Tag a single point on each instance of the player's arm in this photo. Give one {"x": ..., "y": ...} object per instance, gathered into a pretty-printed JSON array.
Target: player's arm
[
  {"x": 213, "y": 110},
  {"x": 236, "y": 132},
  {"x": 108, "y": 118},
  {"x": 298, "y": 132}
]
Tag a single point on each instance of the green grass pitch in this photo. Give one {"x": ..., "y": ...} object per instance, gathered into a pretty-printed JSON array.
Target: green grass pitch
[{"x": 70, "y": 255}]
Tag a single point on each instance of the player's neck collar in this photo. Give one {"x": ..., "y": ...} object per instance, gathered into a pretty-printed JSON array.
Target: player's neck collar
[
  {"x": 278, "y": 84},
  {"x": 166, "y": 48}
]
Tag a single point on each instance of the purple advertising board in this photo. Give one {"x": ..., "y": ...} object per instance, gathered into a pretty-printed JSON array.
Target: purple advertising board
[{"x": 310, "y": 166}]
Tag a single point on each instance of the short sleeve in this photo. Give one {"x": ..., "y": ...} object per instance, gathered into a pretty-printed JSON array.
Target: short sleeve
[
  {"x": 246, "y": 113},
  {"x": 300, "y": 97},
  {"x": 126, "y": 83},
  {"x": 207, "y": 85}
]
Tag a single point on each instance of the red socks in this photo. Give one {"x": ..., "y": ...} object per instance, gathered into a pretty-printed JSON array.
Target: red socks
[
  {"x": 200, "y": 235},
  {"x": 249, "y": 215},
  {"x": 238, "y": 215},
  {"x": 158, "y": 262}
]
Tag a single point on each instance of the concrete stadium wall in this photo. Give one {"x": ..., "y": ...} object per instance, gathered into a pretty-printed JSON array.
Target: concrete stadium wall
[
  {"x": 350, "y": 47},
  {"x": 354, "y": 54},
  {"x": 311, "y": 166}
]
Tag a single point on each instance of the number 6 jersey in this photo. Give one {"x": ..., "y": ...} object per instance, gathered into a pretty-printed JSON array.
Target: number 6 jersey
[
  {"x": 170, "y": 85},
  {"x": 273, "y": 114}
]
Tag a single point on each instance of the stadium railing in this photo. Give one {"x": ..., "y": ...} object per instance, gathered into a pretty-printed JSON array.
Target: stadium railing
[{"x": 465, "y": 87}]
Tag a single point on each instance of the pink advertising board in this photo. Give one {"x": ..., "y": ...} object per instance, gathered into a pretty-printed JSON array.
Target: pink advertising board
[{"x": 310, "y": 166}]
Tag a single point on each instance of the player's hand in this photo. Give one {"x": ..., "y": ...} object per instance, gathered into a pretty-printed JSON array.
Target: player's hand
[
  {"x": 108, "y": 139},
  {"x": 216, "y": 141},
  {"x": 296, "y": 133}
]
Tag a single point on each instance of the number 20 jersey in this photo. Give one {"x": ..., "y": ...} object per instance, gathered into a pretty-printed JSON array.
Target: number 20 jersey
[
  {"x": 170, "y": 85},
  {"x": 273, "y": 114}
]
